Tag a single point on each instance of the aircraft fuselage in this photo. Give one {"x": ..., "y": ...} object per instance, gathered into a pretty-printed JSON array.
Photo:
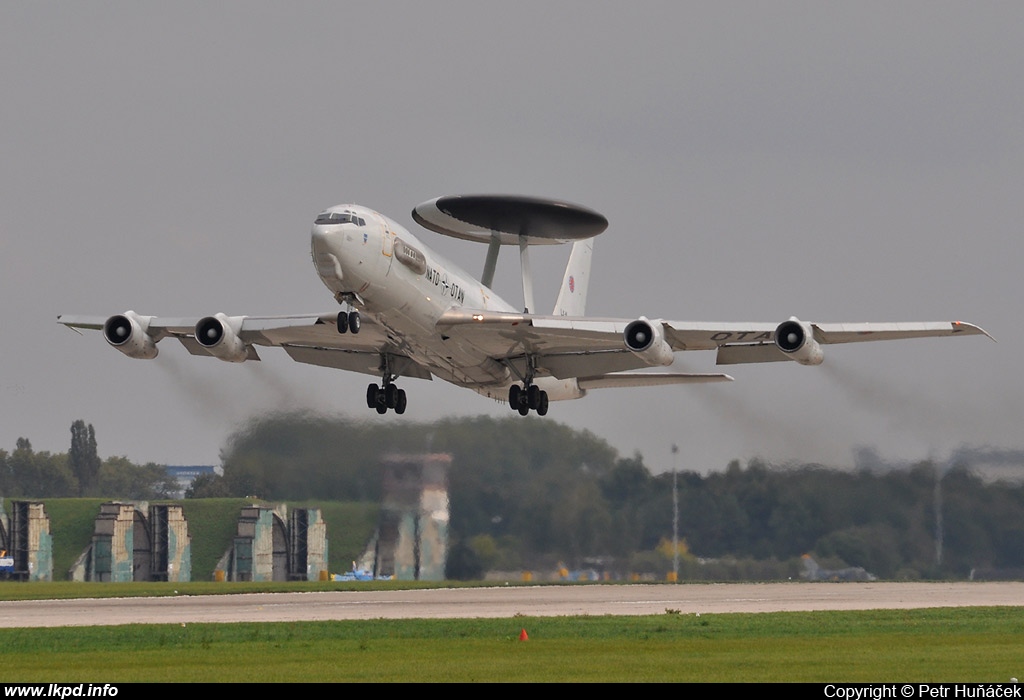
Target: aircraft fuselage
[{"x": 375, "y": 264}]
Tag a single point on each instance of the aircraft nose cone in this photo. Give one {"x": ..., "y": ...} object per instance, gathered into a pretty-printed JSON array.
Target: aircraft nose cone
[
  {"x": 320, "y": 235},
  {"x": 326, "y": 240},
  {"x": 326, "y": 262}
]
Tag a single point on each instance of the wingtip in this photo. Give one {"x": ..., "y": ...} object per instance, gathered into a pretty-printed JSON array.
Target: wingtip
[
  {"x": 972, "y": 328},
  {"x": 60, "y": 320}
]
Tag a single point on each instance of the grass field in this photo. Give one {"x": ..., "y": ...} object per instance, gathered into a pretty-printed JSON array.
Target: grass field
[{"x": 932, "y": 645}]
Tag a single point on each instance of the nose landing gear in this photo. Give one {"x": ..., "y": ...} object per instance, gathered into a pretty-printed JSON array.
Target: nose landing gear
[{"x": 349, "y": 322}]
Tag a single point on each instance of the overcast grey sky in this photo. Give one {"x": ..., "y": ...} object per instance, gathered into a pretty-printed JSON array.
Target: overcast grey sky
[{"x": 834, "y": 161}]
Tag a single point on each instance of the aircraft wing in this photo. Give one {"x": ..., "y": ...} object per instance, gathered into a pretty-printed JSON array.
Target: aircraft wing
[
  {"x": 590, "y": 347},
  {"x": 307, "y": 338},
  {"x": 596, "y": 351},
  {"x": 750, "y": 342}
]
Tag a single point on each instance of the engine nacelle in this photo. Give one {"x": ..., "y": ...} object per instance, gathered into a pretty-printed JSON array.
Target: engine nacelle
[
  {"x": 219, "y": 335},
  {"x": 129, "y": 333},
  {"x": 796, "y": 339},
  {"x": 646, "y": 340}
]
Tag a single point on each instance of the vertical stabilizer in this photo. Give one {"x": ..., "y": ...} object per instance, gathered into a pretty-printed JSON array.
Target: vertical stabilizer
[{"x": 572, "y": 296}]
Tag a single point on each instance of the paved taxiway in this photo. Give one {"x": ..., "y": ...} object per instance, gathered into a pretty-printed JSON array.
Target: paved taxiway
[{"x": 586, "y": 599}]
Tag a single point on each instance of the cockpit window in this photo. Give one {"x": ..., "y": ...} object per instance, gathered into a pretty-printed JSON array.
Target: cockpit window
[{"x": 340, "y": 217}]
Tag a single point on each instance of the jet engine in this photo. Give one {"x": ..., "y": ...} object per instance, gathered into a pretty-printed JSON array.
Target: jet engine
[
  {"x": 646, "y": 340},
  {"x": 796, "y": 339},
  {"x": 129, "y": 333},
  {"x": 219, "y": 335}
]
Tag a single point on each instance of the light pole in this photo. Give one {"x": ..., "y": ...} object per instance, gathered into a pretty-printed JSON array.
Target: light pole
[{"x": 675, "y": 518}]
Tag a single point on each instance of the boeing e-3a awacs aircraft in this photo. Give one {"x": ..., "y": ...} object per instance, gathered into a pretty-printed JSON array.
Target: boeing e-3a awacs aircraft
[{"x": 408, "y": 312}]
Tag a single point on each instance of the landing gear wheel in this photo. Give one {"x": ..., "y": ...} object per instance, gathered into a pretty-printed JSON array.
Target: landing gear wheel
[
  {"x": 371, "y": 396},
  {"x": 354, "y": 322},
  {"x": 533, "y": 396},
  {"x": 342, "y": 322},
  {"x": 381, "y": 408},
  {"x": 523, "y": 408},
  {"x": 513, "y": 396},
  {"x": 390, "y": 396},
  {"x": 400, "y": 402},
  {"x": 542, "y": 404}
]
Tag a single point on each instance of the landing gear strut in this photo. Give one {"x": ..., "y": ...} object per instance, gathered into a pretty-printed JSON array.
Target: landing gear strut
[{"x": 528, "y": 397}]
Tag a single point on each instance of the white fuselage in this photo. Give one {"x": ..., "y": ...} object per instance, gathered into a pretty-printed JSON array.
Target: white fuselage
[{"x": 374, "y": 263}]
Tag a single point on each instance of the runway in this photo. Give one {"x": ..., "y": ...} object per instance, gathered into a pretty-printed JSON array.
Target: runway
[{"x": 507, "y": 601}]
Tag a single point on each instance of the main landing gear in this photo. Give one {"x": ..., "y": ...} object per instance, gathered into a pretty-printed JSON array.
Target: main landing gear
[
  {"x": 387, "y": 395},
  {"x": 384, "y": 397},
  {"x": 527, "y": 398}
]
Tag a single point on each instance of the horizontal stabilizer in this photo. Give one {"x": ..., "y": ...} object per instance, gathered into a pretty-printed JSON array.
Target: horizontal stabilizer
[{"x": 619, "y": 380}]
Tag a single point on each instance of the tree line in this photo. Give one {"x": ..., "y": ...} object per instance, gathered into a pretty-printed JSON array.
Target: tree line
[
  {"x": 79, "y": 472},
  {"x": 525, "y": 493}
]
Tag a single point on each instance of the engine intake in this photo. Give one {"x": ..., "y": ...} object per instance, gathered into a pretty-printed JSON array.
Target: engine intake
[
  {"x": 219, "y": 335},
  {"x": 129, "y": 333},
  {"x": 796, "y": 339},
  {"x": 646, "y": 340}
]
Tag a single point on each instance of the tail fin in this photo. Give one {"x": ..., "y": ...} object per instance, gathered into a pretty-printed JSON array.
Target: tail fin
[{"x": 572, "y": 297}]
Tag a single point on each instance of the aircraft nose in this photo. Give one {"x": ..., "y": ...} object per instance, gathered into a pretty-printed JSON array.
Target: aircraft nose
[
  {"x": 325, "y": 241},
  {"x": 326, "y": 238},
  {"x": 318, "y": 236}
]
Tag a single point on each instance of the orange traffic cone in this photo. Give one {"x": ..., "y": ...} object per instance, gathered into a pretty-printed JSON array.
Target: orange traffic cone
[{"x": 523, "y": 636}]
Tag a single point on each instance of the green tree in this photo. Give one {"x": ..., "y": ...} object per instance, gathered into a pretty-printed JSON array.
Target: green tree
[
  {"x": 40, "y": 474},
  {"x": 83, "y": 458},
  {"x": 208, "y": 486},
  {"x": 6, "y": 480},
  {"x": 120, "y": 478}
]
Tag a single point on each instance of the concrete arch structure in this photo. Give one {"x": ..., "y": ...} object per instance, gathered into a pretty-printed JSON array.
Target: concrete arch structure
[
  {"x": 25, "y": 538},
  {"x": 273, "y": 544},
  {"x": 136, "y": 542}
]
